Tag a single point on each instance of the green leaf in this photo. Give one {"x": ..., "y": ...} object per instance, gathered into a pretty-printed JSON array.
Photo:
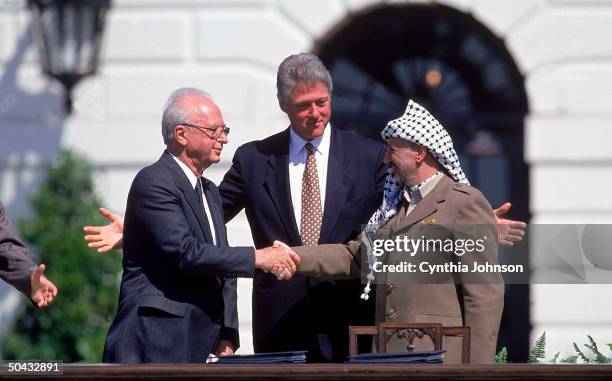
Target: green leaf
[
  {"x": 538, "y": 351},
  {"x": 581, "y": 354},
  {"x": 599, "y": 357},
  {"x": 502, "y": 356},
  {"x": 554, "y": 359}
]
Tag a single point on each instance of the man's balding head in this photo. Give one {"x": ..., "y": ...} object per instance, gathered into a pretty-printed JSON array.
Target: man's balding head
[
  {"x": 193, "y": 128},
  {"x": 180, "y": 107}
]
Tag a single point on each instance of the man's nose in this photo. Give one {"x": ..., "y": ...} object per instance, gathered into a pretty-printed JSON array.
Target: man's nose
[
  {"x": 314, "y": 111},
  {"x": 222, "y": 138}
]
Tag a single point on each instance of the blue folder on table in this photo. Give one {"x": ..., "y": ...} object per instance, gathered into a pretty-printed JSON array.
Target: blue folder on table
[
  {"x": 426, "y": 357},
  {"x": 292, "y": 357}
]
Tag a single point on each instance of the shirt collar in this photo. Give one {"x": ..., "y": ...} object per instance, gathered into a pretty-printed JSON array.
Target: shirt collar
[
  {"x": 321, "y": 143},
  {"x": 425, "y": 187},
  {"x": 193, "y": 179}
]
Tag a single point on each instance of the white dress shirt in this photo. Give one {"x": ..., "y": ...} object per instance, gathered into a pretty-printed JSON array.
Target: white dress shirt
[
  {"x": 297, "y": 165},
  {"x": 193, "y": 179}
]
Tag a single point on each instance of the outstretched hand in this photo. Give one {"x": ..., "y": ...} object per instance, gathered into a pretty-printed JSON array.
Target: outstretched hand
[
  {"x": 43, "y": 291},
  {"x": 508, "y": 231},
  {"x": 108, "y": 237}
]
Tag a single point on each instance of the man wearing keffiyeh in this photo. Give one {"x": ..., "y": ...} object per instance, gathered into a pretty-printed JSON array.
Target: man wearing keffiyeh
[{"x": 426, "y": 191}]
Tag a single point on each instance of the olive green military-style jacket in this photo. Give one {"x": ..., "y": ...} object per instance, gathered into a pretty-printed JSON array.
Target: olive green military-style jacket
[{"x": 451, "y": 211}]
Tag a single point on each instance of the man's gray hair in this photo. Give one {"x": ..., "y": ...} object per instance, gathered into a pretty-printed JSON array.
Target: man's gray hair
[
  {"x": 175, "y": 113},
  {"x": 300, "y": 68}
]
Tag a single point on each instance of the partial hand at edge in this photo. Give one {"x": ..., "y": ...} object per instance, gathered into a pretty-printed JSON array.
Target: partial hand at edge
[
  {"x": 43, "y": 290},
  {"x": 508, "y": 231},
  {"x": 225, "y": 348},
  {"x": 108, "y": 237}
]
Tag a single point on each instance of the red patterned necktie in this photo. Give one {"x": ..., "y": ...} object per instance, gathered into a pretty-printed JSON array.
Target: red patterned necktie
[{"x": 312, "y": 214}]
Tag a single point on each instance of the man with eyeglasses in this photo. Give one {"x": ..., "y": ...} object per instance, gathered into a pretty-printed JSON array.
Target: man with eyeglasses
[
  {"x": 212, "y": 133},
  {"x": 178, "y": 291}
]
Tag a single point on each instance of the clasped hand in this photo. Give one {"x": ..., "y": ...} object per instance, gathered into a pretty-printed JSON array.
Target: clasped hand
[{"x": 278, "y": 259}]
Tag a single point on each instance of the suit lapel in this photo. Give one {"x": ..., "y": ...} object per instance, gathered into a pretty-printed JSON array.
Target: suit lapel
[
  {"x": 337, "y": 186},
  {"x": 277, "y": 186},
  {"x": 182, "y": 182}
]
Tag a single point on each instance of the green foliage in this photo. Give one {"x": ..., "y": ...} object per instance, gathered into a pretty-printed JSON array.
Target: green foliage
[
  {"x": 555, "y": 357},
  {"x": 502, "y": 356},
  {"x": 569, "y": 360},
  {"x": 74, "y": 327},
  {"x": 596, "y": 357},
  {"x": 580, "y": 353},
  {"x": 538, "y": 352}
]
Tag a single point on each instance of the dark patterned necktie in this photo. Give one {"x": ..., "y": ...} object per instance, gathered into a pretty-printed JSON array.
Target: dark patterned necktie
[
  {"x": 199, "y": 188},
  {"x": 312, "y": 214},
  {"x": 415, "y": 198},
  {"x": 198, "y": 191}
]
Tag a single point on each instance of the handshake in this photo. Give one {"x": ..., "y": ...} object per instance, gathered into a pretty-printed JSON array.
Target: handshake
[{"x": 278, "y": 259}]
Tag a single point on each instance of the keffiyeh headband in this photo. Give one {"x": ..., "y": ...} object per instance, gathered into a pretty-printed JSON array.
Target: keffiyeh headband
[{"x": 417, "y": 126}]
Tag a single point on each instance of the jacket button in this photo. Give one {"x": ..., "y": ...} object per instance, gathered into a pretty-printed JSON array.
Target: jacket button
[
  {"x": 390, "y": 288},
  {"x": 390, "y": 312}
]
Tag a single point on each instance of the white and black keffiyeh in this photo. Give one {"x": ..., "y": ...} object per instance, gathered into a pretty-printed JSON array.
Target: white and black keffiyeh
[{"x": 417, "y": 126}]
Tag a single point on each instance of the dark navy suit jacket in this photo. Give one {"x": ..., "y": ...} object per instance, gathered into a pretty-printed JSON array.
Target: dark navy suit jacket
[
  {"x": 171, "y": 303},
  {"x": 16, "y": 267},
  {"x": 305, "y": 313}
]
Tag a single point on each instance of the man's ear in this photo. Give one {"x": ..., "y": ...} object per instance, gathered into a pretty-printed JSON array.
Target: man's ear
[
  {"x": 421, "y": 153},
  {"x": 180, "y": 135},
  {"x": 282, "y": 105}
]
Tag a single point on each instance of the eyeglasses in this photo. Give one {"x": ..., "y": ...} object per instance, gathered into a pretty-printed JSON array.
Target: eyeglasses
[{"x": 217, "y": 131}]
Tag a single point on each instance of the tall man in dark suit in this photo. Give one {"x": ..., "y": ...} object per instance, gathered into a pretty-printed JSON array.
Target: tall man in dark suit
[
  {"x": 178, "y": 298},
  {"x": 271, "y": 179},
  {"x": 17, "y": 269}
]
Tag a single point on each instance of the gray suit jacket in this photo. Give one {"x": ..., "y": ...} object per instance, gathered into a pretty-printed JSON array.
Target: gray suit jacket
[
  {"x": 451, "y": 211},
  {"x": 15, "y": 265}
]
